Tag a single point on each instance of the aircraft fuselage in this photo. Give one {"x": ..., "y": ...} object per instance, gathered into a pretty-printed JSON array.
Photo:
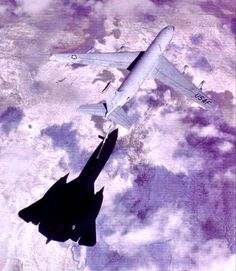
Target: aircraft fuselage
[
  {"x": 150, "y": 64},
  {"x": 69, "y": 210},
  {"x": 142, "y": 68}
]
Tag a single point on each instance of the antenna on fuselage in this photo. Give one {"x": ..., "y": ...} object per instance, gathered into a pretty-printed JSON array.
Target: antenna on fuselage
[{"x": 121, "y": 48}]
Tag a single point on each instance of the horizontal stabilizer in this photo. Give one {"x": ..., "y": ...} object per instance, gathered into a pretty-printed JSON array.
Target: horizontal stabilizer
[
  {"x": 110, "y": 95},
  {"x": 94, "y": 109}
]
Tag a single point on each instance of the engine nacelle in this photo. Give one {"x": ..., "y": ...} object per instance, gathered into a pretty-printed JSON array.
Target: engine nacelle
[
  {"x": 121, "y": 49},
  {"x": 201, "y": 84},
  {"x": 185, "y": 69},
  {"x": 91, "y": 50}
]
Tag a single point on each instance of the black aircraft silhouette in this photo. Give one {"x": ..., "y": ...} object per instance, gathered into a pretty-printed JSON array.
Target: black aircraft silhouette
[{"x": 68, "y": 210}]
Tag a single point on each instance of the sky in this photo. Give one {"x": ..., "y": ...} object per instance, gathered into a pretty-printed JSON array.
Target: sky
[{"x": 169, "y": 198}]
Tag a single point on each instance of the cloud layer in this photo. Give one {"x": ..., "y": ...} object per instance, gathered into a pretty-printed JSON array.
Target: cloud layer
[{"x": 169, "y": 195}]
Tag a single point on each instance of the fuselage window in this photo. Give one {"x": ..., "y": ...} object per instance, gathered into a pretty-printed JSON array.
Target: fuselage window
[{"x": 73, "y": 56}]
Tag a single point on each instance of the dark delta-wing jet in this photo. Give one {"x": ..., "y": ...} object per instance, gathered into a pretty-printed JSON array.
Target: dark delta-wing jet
[
  {"x": 142, "y": 64},
  {"x": 68, "y": 210}
]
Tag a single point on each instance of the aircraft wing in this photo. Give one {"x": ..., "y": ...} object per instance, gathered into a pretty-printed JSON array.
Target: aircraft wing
[
  {"x": 122, "y": 60},
  {"x": 32, "y": 213},
  {"x": 169, "y": 75}
]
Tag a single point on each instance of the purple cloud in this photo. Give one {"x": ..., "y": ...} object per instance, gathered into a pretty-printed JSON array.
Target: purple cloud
[
  {"x": 203, "y": 64},
  {"x": 162, "y": 2},
  {"x": 221, "y": 10},
  {"x": 10, "y": 118},
  {"x": 65, "y": 137},
  {"x": 206, "y": 195},
  {"x": 233, "y": 26},
  {"x": 197, "y": 39},
  {"x": 208, "y": 202},
  {"x": 104, "y": 76}
]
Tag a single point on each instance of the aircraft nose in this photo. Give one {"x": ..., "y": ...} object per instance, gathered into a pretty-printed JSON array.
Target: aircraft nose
[{"x": 171, "y": 27}]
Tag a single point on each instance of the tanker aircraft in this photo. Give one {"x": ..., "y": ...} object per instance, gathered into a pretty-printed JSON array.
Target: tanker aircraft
[{"x": 151, "y": 64}]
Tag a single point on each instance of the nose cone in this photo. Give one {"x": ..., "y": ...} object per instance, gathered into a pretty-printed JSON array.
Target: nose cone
[
  {"x": 169, "y": 32},
  {"x": 170, "y": 28}
]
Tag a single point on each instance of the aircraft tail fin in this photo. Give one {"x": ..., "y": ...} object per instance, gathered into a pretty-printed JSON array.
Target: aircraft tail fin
[
  {"x": 118, "y": 116},
  {"x": 110, "y": 94},
  {"x": 94, "y": 109}
]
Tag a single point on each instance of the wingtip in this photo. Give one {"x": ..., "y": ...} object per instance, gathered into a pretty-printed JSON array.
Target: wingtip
[
  {"x": 23, "y": 216},
  {"x": 20, "y": 214},
  {"x": 81, "y": 108}
]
